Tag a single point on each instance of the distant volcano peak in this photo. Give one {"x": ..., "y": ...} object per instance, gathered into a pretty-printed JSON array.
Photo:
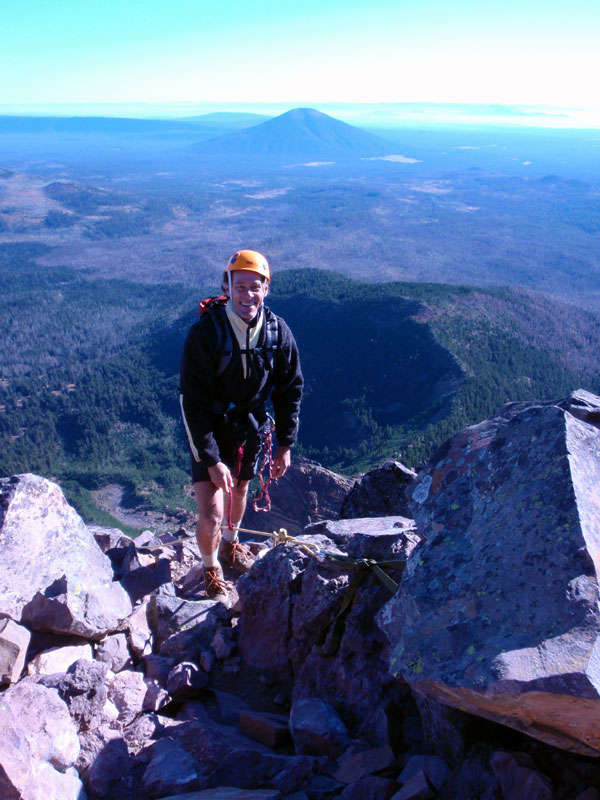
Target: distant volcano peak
[{"x": 298, "y": 133}]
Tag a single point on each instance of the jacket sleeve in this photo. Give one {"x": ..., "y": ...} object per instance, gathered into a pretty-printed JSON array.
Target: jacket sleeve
[
  {"x": 287, "y": 388},
  {"x": 197, "y": 392}
]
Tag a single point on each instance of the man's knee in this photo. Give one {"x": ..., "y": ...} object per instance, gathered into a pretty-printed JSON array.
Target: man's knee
[
  {"x": 240, "y": 491},
  {"x": 210, "y": 506},
  {"x": 209, "y": 518}
]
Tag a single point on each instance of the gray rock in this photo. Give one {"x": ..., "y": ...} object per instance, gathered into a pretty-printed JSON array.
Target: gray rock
[
  {"x": 289, "y": 601},
  {"x": 226, "y": 756},
  {"x": 307, "y": 493},
  {"x": 448, "y": 730},
  {"x": 44, "y": 719},
  {"x": 113, "y": 650},
  {"x": 47, "y": 552},
  {"x": 84, "y": 690},
  {"x": 103, "y": 760},
  {"x": 185, "y": 681},
  {"x": 248, "y": 768},
  {"x": 127, "y": 690},
  {"x": 157, "y": 667},
  {"x": 355, "y": 675},
  {"x": 109, "y": 538},
  {"x": 317, "y": 728},
  {"x": 497, "y": 613},
  {"x": 14, "y": 641},
  {"x": 139, "y": 635},
  {"x": 139, "y": 734},
  {"x": 207, "y": 660},
  {"x": 375, "y": 727},
  {"x": 357, "y": 762},
  {"x": 182, "y": 628},
  {"x": 416, "y": 788},
  {"x": 156, "y": 697},
  {"x": 229, "y": 706},
  {"x": 473, "y": 776},
  {"x": 144, "y": 574},
  {"x": 322, "y": 787},
  {"x": 270, "y": 729},
  {"x": 222, "y": 643},
  {"x": 59, "y": 659},
  {"x": 380, "y": 492},
  {"x": 266, "y": 594},
  {"x": 147, "y": 539},
  {"x": 170, "y": 769},
  {"x": 433, "y": 767},
  {"x": 379, "y": 538},
  {"x": 519, "y": 778},
  {"x": 49, "y": 782},
  {"x": 298, "y": 771},
  {"x": 38, "y": 745}
]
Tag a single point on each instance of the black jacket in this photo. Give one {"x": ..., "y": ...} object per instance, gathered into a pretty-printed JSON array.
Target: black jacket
[{"x": 204, "y": 393}]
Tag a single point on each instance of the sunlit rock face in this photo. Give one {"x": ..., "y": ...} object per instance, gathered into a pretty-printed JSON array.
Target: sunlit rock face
[
  {"x": 498, "y": 611},
  {"x": 53, "y": 575}
]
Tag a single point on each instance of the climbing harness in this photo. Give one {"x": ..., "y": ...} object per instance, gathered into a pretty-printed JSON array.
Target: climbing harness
[{"x": 266, "y": 434}]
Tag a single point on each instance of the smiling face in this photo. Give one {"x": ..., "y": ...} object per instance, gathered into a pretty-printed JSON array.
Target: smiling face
[{"x": 248, "y": 290}]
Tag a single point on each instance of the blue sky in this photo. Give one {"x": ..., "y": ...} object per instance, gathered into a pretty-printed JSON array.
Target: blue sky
[{"x": 127, "y": 51}]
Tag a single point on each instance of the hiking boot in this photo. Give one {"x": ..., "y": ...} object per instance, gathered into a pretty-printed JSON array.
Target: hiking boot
[
  {"x": 215, "y": 586},
  {"x": 236, "y": 555}
]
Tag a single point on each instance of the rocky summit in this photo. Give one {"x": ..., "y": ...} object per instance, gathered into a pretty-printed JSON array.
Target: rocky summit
[
  {"x": 441, "y": 643},
  {"x": 498, "y": 611}
]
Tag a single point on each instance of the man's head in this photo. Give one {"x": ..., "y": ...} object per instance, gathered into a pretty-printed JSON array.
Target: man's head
[{"x": 247, "y": 278}]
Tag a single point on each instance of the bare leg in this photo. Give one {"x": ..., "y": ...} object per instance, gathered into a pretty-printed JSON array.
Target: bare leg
[
  {"x": 213, "y": 506},
  {"x": 238, "y": 506},
  {"x": 209, "y": 500}
]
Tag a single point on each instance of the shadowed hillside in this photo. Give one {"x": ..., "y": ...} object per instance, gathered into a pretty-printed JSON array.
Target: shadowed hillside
[{"x": 88, "y": 389}]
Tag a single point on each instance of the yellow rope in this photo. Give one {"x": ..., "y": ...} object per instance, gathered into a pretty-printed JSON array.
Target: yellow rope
[
  {"x": 280, "y": 537},
  {"x": 277, "y": 537}
]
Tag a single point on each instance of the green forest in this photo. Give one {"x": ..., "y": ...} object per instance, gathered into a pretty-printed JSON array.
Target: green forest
[{"x": 88, "y": 388}]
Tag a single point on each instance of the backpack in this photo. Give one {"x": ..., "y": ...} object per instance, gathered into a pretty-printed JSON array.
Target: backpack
[{"x": 211, "y": 306}]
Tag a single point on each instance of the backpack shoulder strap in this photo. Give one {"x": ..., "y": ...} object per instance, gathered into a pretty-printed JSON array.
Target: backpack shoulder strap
[
  {"x": 224, "y": 338},
  {"x": 270, "y": 344}
]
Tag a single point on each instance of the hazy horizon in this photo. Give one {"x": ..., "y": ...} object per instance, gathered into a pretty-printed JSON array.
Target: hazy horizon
[{"x": 389, "y": 114}]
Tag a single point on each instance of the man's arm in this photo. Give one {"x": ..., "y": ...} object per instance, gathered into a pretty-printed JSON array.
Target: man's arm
[
  {"x": 197, "y": 387},
  {"x": 286, "y": 396}
]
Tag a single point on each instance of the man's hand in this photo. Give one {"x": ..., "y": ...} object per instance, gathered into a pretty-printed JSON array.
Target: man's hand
[
  {"x": 220, "y": 476},
  {"x": 281, "y": 461}
]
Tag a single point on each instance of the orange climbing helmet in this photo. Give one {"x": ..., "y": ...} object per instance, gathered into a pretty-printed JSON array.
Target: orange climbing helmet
[{"x": 249, "y": 260}]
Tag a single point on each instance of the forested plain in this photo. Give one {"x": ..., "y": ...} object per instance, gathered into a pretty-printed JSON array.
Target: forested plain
[{"x": 423, "y": 296}]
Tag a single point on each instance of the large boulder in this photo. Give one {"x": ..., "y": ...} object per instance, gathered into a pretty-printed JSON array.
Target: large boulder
[
  {"x": 38, "y": 746},
  {"x": 497, "y": 613},
  {"x": 14, "y": 641},
  {"x": 183, "y": 628},
  {"x": 380, "y": 492},
  {"x": 307, "y": 493},
  {"x": 379, "y": 538},
  {"x": 53, "y": 575},
  {"x": 290, "y": 600}
]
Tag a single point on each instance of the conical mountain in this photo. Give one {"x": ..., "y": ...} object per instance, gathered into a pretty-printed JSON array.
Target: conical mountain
[{"x": 299, "y": 133}]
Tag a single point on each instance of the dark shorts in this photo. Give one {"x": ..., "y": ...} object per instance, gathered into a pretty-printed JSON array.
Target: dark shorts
[{"x": 228, "y": 438}]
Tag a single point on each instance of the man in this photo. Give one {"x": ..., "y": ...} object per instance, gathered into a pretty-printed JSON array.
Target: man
[{"x": 236, "y": 357}]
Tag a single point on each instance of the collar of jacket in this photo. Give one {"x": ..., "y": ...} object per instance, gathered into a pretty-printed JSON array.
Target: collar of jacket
[{"x": 247, "y": 334}]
